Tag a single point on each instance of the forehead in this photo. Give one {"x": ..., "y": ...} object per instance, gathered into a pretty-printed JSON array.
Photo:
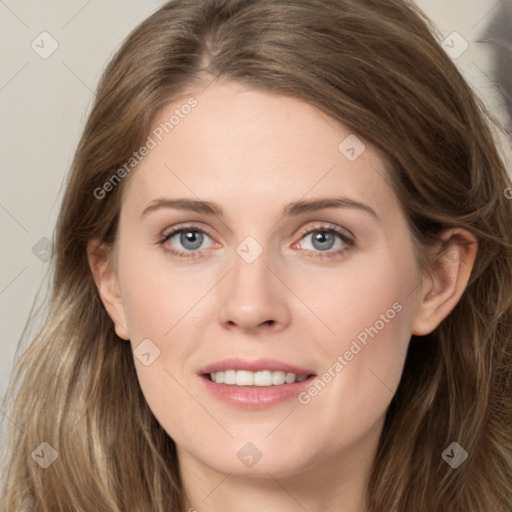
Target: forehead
[{"x": 244, "y": 146}]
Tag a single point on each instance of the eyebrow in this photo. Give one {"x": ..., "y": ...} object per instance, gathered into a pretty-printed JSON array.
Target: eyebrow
[{"x": 295, "y": 208}]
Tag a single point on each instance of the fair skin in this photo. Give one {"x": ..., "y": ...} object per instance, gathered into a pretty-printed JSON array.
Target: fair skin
[{"x": 253, "y": 153}]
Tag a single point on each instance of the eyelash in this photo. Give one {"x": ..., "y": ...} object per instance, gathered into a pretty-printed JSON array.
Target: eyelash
[{"x": 348, "y": 241}]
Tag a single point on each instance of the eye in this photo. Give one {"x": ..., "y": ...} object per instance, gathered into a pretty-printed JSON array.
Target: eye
[
  {"x": 321, "y": 241},
  {"x": 185, "y": 241},
  {"x": 326, "y": 241}
]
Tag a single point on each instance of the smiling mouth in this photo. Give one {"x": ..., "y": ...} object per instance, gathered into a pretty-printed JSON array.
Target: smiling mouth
[{"x": 262, "y": 378}]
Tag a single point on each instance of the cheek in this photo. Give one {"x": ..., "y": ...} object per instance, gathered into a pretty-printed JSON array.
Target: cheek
[
  {"x": 155, "y": 296},
  {"x": 157, "y": 305},
  {"x": 363, "y": 300},
  {"x": 371, "y": 316}
]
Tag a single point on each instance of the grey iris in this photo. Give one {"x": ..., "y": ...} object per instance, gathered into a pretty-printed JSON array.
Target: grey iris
[
  {"x": 322, "y": 240},
  {"x": 191, "y": 239}
]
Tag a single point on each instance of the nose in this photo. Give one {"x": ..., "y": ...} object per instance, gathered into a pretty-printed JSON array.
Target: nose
[{"x": 253, "y": 299}]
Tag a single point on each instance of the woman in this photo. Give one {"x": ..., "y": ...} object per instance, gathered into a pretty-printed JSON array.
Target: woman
[{"x": 283, "y": 275}]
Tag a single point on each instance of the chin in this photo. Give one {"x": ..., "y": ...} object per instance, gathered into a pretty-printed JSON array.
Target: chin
[{"x": 254, "y": 456}]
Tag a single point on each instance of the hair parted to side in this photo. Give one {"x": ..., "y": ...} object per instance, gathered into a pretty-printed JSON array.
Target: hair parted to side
[{"x": 374, "y": 66}]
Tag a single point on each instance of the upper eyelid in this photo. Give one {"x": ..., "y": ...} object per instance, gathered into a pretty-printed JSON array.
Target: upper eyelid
[
  {"x": 182, "y": 227},
  {"x": 328, "y": 227}
]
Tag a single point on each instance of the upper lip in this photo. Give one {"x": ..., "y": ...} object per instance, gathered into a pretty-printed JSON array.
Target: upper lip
[{"x": 254, "y": 365}]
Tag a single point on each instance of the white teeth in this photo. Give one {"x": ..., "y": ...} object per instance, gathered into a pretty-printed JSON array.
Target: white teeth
[
  {"x": 290, "y": 378},
  {"x": 230, "y": 377},
  {"x": 278, "y": 378},
  {"x": 244, "y": 378},
  {"x": 263, "y": 378}
]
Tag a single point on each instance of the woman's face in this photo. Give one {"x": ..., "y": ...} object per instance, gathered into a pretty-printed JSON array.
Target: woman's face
[{"x": 294, "y": 264}]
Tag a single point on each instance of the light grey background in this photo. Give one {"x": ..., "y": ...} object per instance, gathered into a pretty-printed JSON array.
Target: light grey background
[{"x": 44, "y": 103}]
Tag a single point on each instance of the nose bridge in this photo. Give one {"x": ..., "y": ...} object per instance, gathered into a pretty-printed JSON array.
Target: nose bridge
[
  {"x": 253, "y": 296},
  {"x": 250, "y": 276}
]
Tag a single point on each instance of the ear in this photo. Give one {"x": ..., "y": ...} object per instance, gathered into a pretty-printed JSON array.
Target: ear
[
  {"x": 100, "y": 256},
  {"x": 444, "y": 286}
]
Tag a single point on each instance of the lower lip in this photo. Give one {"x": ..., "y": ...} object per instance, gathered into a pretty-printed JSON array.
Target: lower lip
[{"x": 256, "y": 397}]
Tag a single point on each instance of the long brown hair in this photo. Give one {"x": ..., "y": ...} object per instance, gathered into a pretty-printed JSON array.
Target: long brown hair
[{"x": 375, "y": 66}]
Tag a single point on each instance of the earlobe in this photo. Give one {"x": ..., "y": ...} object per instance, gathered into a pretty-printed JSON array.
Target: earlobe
[
  {"x": 105, "y": 277},
  {"x": 442, "y": 289}
]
